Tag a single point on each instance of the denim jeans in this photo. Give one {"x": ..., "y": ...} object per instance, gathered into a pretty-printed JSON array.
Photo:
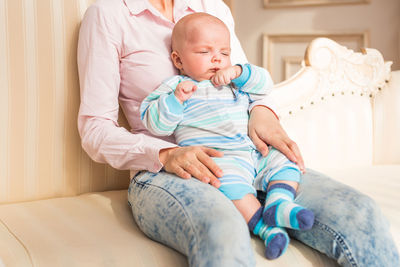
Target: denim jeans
[{"x": 200, "y": 222}]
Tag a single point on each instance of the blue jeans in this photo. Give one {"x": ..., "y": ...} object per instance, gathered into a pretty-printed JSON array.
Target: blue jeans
[{"x": 200, "y": 222}]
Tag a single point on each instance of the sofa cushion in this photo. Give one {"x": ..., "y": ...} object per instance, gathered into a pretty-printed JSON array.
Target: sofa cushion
[
  {"x": 97, "y": 229},
  {"x": 12, "y": 251}
]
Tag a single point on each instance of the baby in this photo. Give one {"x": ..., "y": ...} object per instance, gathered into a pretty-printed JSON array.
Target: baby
[{"x": 208, "y": 105}]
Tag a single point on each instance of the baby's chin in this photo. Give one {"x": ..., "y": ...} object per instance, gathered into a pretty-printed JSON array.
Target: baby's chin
[
  {"x": 204, "y": 77},
  {"x": 201, "y": 76}
]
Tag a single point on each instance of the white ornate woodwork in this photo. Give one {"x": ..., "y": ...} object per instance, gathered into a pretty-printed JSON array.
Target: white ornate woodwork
[{"x": 333, "y": 70}]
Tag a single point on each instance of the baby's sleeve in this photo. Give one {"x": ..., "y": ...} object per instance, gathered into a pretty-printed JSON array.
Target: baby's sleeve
[
  {"x": 161, "y": 112},
  {"x": 255, "y": 81}
]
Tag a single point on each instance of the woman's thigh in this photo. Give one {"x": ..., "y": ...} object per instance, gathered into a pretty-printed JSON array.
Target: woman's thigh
[
  {"x": 349, "y": 225},
  {"x": 191, "y": 217}
]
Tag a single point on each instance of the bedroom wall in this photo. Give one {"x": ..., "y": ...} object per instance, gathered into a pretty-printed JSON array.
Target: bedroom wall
[{"x": 376, "y": 25}]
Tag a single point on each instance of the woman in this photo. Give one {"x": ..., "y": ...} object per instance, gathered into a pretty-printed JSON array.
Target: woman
[{"x": 123, "y": 54}]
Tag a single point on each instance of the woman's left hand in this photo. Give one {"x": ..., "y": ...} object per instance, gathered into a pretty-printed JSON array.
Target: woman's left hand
[{"x": 265, "y": 129}]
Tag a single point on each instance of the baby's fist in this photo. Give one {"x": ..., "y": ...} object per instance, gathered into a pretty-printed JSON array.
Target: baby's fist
[
  {"x": 225, "y": 76},
  {"x": 184, "y": 90}
]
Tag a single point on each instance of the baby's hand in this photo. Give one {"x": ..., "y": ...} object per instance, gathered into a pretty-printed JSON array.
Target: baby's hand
[
  {"x": 225, "y": 76},
  {"x": 185, "y": 90}
]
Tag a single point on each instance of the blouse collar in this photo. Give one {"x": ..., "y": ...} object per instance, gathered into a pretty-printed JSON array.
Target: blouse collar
[{"x": 138, "y": 6}]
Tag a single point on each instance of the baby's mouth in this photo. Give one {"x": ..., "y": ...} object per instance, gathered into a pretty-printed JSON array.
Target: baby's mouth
[{"x": 214, "y": 69}]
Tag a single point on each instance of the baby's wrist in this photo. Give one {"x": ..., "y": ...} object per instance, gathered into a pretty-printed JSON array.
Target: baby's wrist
[
  {"x": 238, "y": 70},
  {"x": 178, "y": 97}
]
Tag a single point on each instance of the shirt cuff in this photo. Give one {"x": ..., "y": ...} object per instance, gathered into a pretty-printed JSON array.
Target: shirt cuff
[
  {"x": 173, "y": 104},
  {"x": 153, "y": 154},
  {"x": 244, "y": 76},
  {"x": 266, "y": 102}
]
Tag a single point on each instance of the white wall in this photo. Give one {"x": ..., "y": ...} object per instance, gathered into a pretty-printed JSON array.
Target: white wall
[{"x": 381, "y": 18}]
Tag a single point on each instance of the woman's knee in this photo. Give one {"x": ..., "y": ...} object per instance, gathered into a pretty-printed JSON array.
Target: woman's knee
[
  {"x": 192, "y": 217},
  {"x": 223, "y": 238}
]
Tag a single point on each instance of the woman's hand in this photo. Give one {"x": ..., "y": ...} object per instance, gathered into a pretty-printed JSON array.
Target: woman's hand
[
  {"x": 265, "y": 129},
  {"x": 193, "y": 161}
]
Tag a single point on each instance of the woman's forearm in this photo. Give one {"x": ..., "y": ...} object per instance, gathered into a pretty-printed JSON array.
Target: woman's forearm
[{"x": 105, "y": 142}]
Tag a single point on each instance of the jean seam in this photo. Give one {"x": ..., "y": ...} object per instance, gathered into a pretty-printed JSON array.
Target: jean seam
[
  {"x": 341, "y": 241},
  {"x": 180, "y": 204}
]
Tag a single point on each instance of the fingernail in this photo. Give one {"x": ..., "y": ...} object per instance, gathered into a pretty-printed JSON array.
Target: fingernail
[{"x": 216, "y": 184}]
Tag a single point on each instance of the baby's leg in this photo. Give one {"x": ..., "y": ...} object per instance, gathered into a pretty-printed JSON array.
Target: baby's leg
[
  {"x": 280, "y": 210},
  {"x": 236, "y": 184},
  {"x": 280, "y": 181},
  {"x": 276, "y": 239}
]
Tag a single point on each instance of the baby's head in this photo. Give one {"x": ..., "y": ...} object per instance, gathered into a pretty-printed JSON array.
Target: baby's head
[{"x": 200, "y": 46}]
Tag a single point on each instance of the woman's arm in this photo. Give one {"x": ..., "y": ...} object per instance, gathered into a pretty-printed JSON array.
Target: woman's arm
[{"x": 98, "y": 64}]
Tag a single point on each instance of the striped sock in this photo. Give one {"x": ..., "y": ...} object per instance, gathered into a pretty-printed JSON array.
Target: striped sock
[
  {"x": 276, "y": 239},
  {"x": 280, "y": 210}
]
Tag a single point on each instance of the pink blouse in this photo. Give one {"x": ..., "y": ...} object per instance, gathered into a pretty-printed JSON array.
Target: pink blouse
[{"x": 123, "y": 55}]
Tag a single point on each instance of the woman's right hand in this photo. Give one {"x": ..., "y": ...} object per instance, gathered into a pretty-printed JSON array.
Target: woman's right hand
[{"x": 192, "y": 161}]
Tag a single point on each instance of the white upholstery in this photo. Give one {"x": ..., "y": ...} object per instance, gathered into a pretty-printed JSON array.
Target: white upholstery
[
  {"x": 40, "y": 150},
  {"x": 386, "y": 123}
]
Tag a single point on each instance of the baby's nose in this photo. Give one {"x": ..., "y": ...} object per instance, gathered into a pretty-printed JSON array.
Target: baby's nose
[{"x": 216, "y": 57}]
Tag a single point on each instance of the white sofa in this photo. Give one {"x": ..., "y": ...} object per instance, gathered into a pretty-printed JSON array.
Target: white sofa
[{"x": 59, "y": 208}]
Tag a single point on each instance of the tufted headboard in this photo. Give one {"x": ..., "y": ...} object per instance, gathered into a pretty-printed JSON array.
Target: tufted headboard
[
  {"x": 335, "y": 107},
  {"x": 40, "y": 151}
]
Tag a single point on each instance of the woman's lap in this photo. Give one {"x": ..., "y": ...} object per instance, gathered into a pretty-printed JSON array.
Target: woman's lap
[
  {"x": 200, "y": 222},
  {"x": 191, "y": 217}
]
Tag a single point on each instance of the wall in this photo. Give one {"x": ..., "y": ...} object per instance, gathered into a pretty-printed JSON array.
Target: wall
[{"x": 380, "y": 19}]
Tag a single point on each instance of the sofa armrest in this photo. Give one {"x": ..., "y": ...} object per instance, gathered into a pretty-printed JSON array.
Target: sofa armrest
[{"x": 387, "y": 122}]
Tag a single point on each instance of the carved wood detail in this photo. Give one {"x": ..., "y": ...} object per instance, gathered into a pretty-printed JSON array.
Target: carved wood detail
[{"x": 331, "y": 70}]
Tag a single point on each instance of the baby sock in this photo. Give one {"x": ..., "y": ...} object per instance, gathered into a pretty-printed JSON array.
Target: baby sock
[
  {"x": 276, "y": 239},
  {"x": 280, "y": 210}
]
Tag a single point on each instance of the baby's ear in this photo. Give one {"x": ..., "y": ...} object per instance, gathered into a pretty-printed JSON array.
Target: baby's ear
[{"x": 176, "y": 59}]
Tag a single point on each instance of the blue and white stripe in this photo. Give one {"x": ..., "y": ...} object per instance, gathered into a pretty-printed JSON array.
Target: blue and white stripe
[{"x": 213, "y": 117}]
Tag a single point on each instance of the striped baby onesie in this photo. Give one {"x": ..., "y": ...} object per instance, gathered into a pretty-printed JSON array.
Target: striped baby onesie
[{"x": 217, "y": 117}]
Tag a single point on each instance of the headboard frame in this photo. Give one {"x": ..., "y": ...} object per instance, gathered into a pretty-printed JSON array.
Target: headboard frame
[
  {"x": 333, "y": 69},
  {"x": 327, "y": 107}
]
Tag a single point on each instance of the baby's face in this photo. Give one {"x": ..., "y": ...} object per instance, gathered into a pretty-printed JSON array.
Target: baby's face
[{"x": 205, "y": 51}]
